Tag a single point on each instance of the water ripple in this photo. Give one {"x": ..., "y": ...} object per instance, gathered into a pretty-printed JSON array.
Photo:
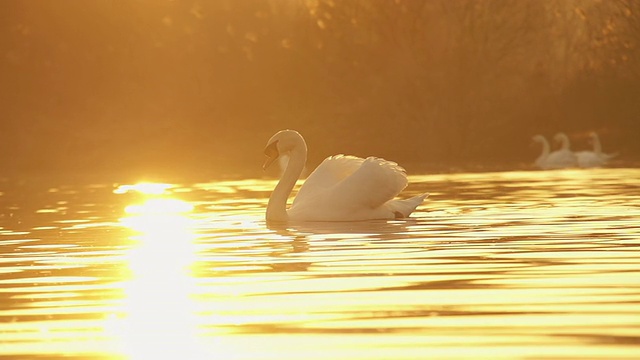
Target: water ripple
[{"x": 520, "y": 264}]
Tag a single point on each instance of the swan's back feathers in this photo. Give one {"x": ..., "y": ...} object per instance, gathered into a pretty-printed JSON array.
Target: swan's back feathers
[
  {"x": 374, "y": 183},
  {"x": 330, "y": 172},
  {"x": 347, "y": 180},
  {"x": 560, "y": 159}
]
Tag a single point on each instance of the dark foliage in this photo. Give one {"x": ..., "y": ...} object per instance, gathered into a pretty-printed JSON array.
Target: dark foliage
[{"x": 197, "y": 87}]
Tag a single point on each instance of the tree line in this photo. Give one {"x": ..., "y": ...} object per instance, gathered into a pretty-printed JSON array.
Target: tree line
[{"x": 155, "y": 86}]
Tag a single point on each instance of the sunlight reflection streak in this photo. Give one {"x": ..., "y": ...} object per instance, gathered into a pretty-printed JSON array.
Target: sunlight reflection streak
[{"x": 158, "y": 318}]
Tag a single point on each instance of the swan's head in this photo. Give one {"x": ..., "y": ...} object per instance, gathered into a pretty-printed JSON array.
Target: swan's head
[
  {"x": 563, "y": 139},
  {"x": 283, "y": 143},
  {"x": 560, "y": 137},
  {"x": 538, "y": 138}
]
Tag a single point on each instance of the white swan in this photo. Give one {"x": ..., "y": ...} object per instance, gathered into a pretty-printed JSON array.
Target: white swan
[
  {"x": 341, "y": 188},
  {"x": 541, "y": 160},
  {"x": 595, "y": 158},
  {"x": 561, "y": 158}
]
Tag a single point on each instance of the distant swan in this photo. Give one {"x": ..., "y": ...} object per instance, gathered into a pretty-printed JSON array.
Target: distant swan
[
  {"x": 341, "y": 188},
  {"x": 595, "y": 158},
  {"x": 561, "y": 158}
]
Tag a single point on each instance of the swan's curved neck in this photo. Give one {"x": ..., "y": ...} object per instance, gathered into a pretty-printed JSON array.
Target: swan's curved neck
[
  {"x": 565, "y": 142},
  {"x": 545, "y": 150},
  {"x": 597, "y": 147},
  {"x": 277, "y": 206}
]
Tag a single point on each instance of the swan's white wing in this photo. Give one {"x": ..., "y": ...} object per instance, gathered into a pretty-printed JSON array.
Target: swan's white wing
[
  {"x": 374, "y": 183},
  {"x": 331, "y": 171},
  {"x": 337, "y": 194},
  {"x": 561, "y": 159},
  {"x": 589, "y": 159}
]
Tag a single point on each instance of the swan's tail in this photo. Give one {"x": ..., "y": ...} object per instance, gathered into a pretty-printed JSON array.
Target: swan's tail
[{"x": 404, "y": 208}]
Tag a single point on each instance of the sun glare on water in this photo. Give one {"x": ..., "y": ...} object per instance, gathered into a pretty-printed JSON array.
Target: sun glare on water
[
  {"x": 146, "y": 188},
  {"x": 158, "y": 317}
]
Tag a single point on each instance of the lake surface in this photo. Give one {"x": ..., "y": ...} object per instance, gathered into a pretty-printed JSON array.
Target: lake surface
[{"x": 524, "y": 264}]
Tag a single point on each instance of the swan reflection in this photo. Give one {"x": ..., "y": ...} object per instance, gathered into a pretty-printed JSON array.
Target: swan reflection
[{"x": 346, "y": 229}]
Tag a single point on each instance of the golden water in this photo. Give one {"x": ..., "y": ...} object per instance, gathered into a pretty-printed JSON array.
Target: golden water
[{"x": 535, "y": 265}]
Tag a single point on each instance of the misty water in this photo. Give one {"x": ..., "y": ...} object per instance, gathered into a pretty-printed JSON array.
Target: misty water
[{"x": 522, "y": 264}]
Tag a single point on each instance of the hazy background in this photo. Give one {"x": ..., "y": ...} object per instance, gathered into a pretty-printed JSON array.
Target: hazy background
[{"x": 196, "y": 87}]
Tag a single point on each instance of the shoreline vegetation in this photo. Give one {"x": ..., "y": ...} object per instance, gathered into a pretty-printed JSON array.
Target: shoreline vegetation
[{"x": 189, "y": 88}]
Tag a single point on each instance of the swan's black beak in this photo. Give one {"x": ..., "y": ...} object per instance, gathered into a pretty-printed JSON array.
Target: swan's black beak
[{"x": 272, "y": 154}]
